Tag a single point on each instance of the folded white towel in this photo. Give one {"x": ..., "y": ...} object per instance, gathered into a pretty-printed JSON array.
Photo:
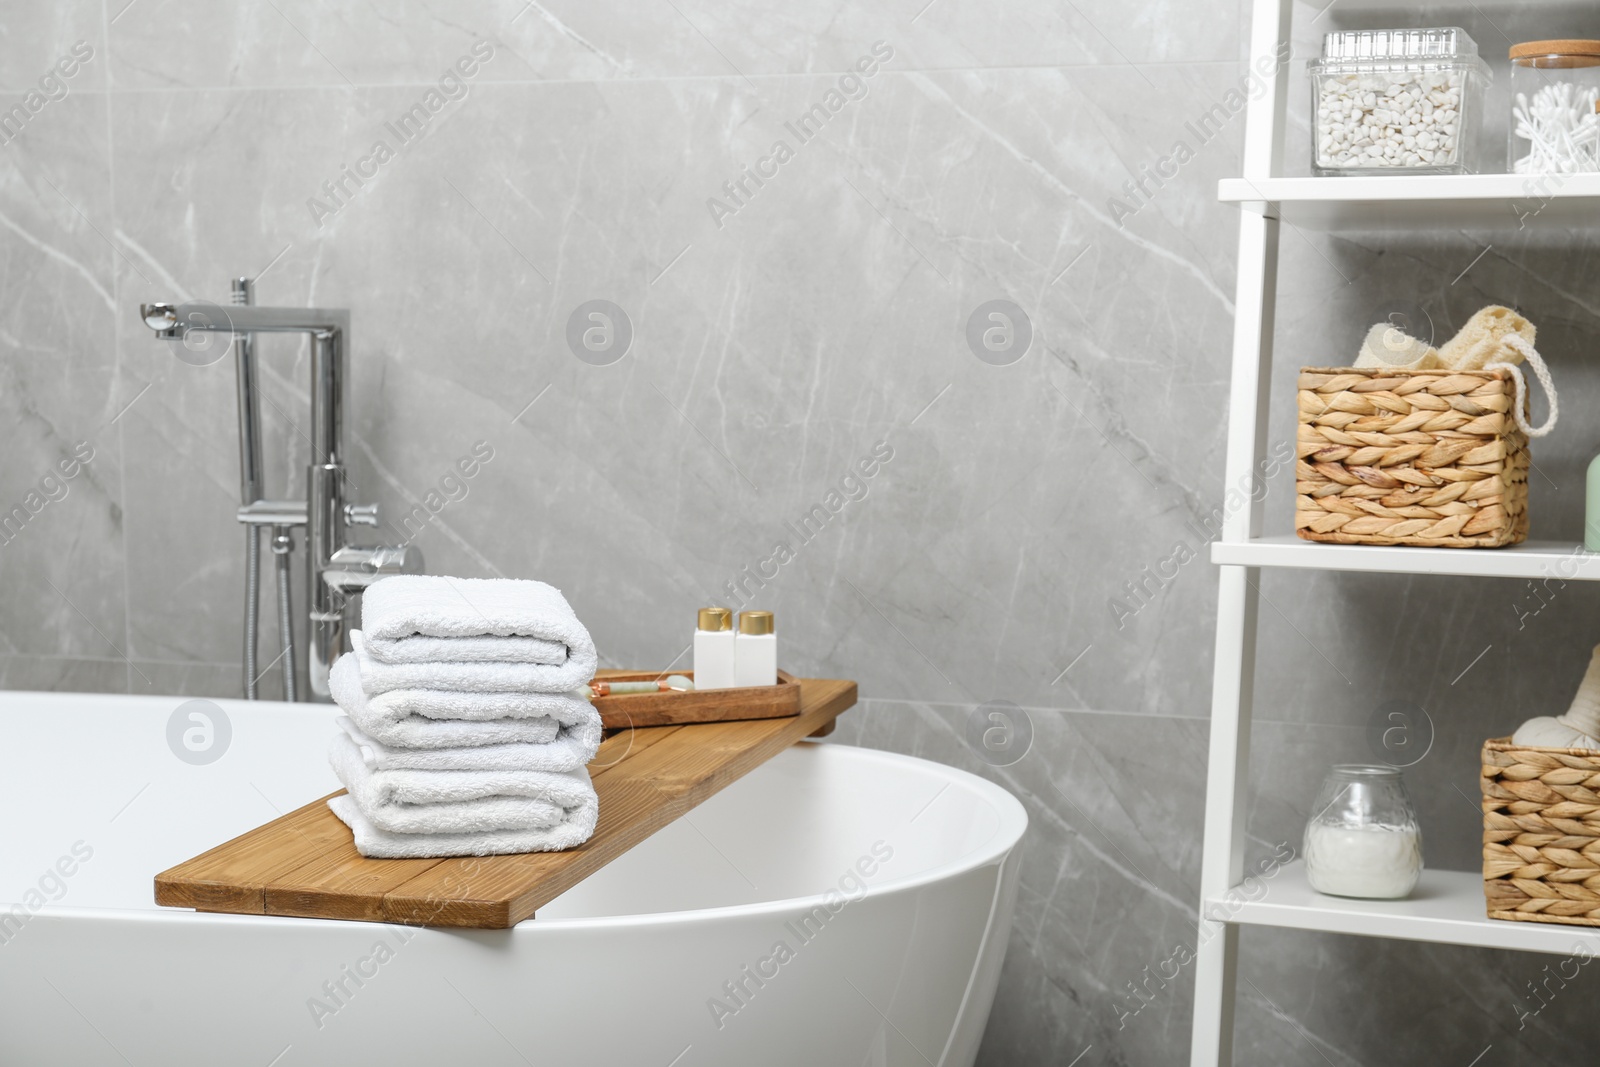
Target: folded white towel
[
  {"x": 420, "y": 649},
  {"x": 428, "y": 605},
  {"x": 379, "y": 844},
  {"x": 446, "y": 802},
  {"x": 425, "y": 718},
  {"x": 375, "y": 788},
  {"x": 571, "y": 748},
  {"x": 497, "y": 677}
]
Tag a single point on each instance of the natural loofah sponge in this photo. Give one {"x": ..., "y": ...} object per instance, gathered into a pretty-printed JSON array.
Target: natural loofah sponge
[
  {"x": 1391, "y": 347},
  {"x": 1482, "y": 340}
]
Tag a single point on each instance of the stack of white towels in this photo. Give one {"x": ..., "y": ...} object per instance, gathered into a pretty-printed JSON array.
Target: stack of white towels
[{"x": 467, "y": 725}]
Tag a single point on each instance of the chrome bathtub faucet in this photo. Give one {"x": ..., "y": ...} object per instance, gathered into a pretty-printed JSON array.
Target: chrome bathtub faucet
[{"x": 335, "y": 570}]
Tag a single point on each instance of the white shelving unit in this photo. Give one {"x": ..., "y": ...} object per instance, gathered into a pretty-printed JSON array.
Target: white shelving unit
[{"x": 1448, "y": 906}]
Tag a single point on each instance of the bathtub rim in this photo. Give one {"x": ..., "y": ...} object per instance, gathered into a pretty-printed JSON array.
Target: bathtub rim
[{"x": 1013, "y": 823}]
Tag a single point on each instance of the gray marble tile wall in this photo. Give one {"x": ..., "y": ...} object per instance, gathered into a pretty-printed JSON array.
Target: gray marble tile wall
[{"x": 779, "y": 334}]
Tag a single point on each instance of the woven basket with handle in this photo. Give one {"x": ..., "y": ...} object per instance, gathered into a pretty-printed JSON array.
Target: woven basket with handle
[
  {"x": 1541, "y": 833},
  {"x": 1391, "y": 457}
]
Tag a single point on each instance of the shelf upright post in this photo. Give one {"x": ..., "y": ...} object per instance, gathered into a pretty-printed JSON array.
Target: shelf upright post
[{"x": 1227, "y": 773}]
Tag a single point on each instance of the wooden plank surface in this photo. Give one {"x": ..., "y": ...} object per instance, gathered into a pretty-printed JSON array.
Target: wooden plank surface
[
  {"x": 233, "y": 876},
  {"x": 306, "y": 864}
]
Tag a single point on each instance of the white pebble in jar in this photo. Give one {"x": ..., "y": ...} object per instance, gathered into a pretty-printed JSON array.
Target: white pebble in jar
[{"x": 1388, "y": 120}]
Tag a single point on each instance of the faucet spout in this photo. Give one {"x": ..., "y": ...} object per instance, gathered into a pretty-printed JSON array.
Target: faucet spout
[{"x": 174, "y": 320}]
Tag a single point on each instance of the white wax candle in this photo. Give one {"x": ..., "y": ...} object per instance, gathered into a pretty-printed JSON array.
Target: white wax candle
[{"x": 1374, "y": 862}]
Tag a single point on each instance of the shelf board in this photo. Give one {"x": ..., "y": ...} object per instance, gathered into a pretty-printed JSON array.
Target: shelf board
[
  {"x": 1532, "y": 559},
  {"x": 1446, "y": 908},
  {"x": 1314, "y": 8},
  {"x": 1469, "y": 201}
]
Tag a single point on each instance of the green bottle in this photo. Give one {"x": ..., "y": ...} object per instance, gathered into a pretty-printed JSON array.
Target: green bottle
[{"x": 1591, "y": 508}]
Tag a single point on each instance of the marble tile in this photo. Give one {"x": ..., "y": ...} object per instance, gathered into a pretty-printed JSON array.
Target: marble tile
[
  {"x": 756, "y": 39},
  {"x": 60, "y": 673},
  {"x": 60, "y": 392},
  {"x": 35, "y": 38},
  {"x": 191, "y": 44},
  {"x": 198, "y": 679}
]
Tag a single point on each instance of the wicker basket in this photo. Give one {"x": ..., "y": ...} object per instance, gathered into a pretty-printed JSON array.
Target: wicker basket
[
  {"x": 1541, "y": 833},
  {"x": 1393, "y": 457}
]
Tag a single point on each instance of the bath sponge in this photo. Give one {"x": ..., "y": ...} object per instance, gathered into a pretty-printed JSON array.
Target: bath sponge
[
  {"x": 1482, "y": 340},
  {"x": 1388, "y": 346}
]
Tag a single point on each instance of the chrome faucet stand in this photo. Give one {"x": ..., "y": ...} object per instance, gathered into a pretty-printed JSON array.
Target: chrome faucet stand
[{"x": 334, "y": 569}]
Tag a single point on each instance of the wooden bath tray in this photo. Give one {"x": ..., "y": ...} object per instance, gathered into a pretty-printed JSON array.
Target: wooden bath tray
[
  {"x": 703, "y": 705},
  {"x": 305, "y": 863}
]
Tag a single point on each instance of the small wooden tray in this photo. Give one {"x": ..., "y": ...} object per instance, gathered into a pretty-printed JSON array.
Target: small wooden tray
[
  {"x": 710, "y": 705},
  {"x": 306, "y": 864}
]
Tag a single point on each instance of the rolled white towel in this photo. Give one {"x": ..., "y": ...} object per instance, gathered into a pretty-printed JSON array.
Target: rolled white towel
[
  {"x": 426, "y": 605},
  {"x": 1579, "y": 727},
  {"x": 374, "y": 843},
  {"x": 572, "y": 747},
  {"x": 425, "y": 718},
  {"x": 1390, "y": 348},
  {"x": 483, "y": 677},
  {"x": 459, "y": 802}
]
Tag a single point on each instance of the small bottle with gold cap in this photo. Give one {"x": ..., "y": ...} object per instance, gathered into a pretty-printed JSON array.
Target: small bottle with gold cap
[
  {"x": 714, "y": 650},
  {"x": 756, "y": 660}
]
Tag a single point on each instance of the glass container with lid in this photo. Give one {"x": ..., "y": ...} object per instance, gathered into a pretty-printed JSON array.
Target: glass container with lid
[
  {"x": 1555, "y": 107},
  {"x": 1397, "y": 102}
]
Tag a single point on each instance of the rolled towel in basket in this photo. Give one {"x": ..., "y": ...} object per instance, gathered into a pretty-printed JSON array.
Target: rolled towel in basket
[
  {"x": 460, "y": 802},
  {"x": 422, "y": 605},
  {"x": 1579, "y": 727},
  {"x": 428, "y": 718},
  {"x": 483, "y": 677},
  {"x": 571, "y": 748},
  {"x": 381, "y": 844},
  {"x": 1388, "y": 346}
]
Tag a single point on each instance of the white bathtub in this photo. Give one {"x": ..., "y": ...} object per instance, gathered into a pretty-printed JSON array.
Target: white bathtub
[{"x": 669, "y": 957}]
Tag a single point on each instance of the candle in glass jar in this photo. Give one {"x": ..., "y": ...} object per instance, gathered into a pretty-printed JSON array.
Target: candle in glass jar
[
  {"x": 1363, "y": 839},
  {"x": 1373, "y": 862}
]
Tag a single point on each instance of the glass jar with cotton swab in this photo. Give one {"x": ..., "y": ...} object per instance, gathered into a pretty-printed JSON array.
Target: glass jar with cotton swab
[{"x": 1555, "y": 111}]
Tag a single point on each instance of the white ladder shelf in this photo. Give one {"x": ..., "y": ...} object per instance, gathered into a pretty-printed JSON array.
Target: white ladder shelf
[{"x": 1448, "y": 906}]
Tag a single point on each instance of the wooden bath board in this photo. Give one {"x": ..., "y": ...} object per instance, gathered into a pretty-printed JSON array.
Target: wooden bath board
[{"x": 305, "y": 863}]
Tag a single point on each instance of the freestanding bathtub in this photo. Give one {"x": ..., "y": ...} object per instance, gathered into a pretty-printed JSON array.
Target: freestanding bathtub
[{"x": 837, "y": 907}]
